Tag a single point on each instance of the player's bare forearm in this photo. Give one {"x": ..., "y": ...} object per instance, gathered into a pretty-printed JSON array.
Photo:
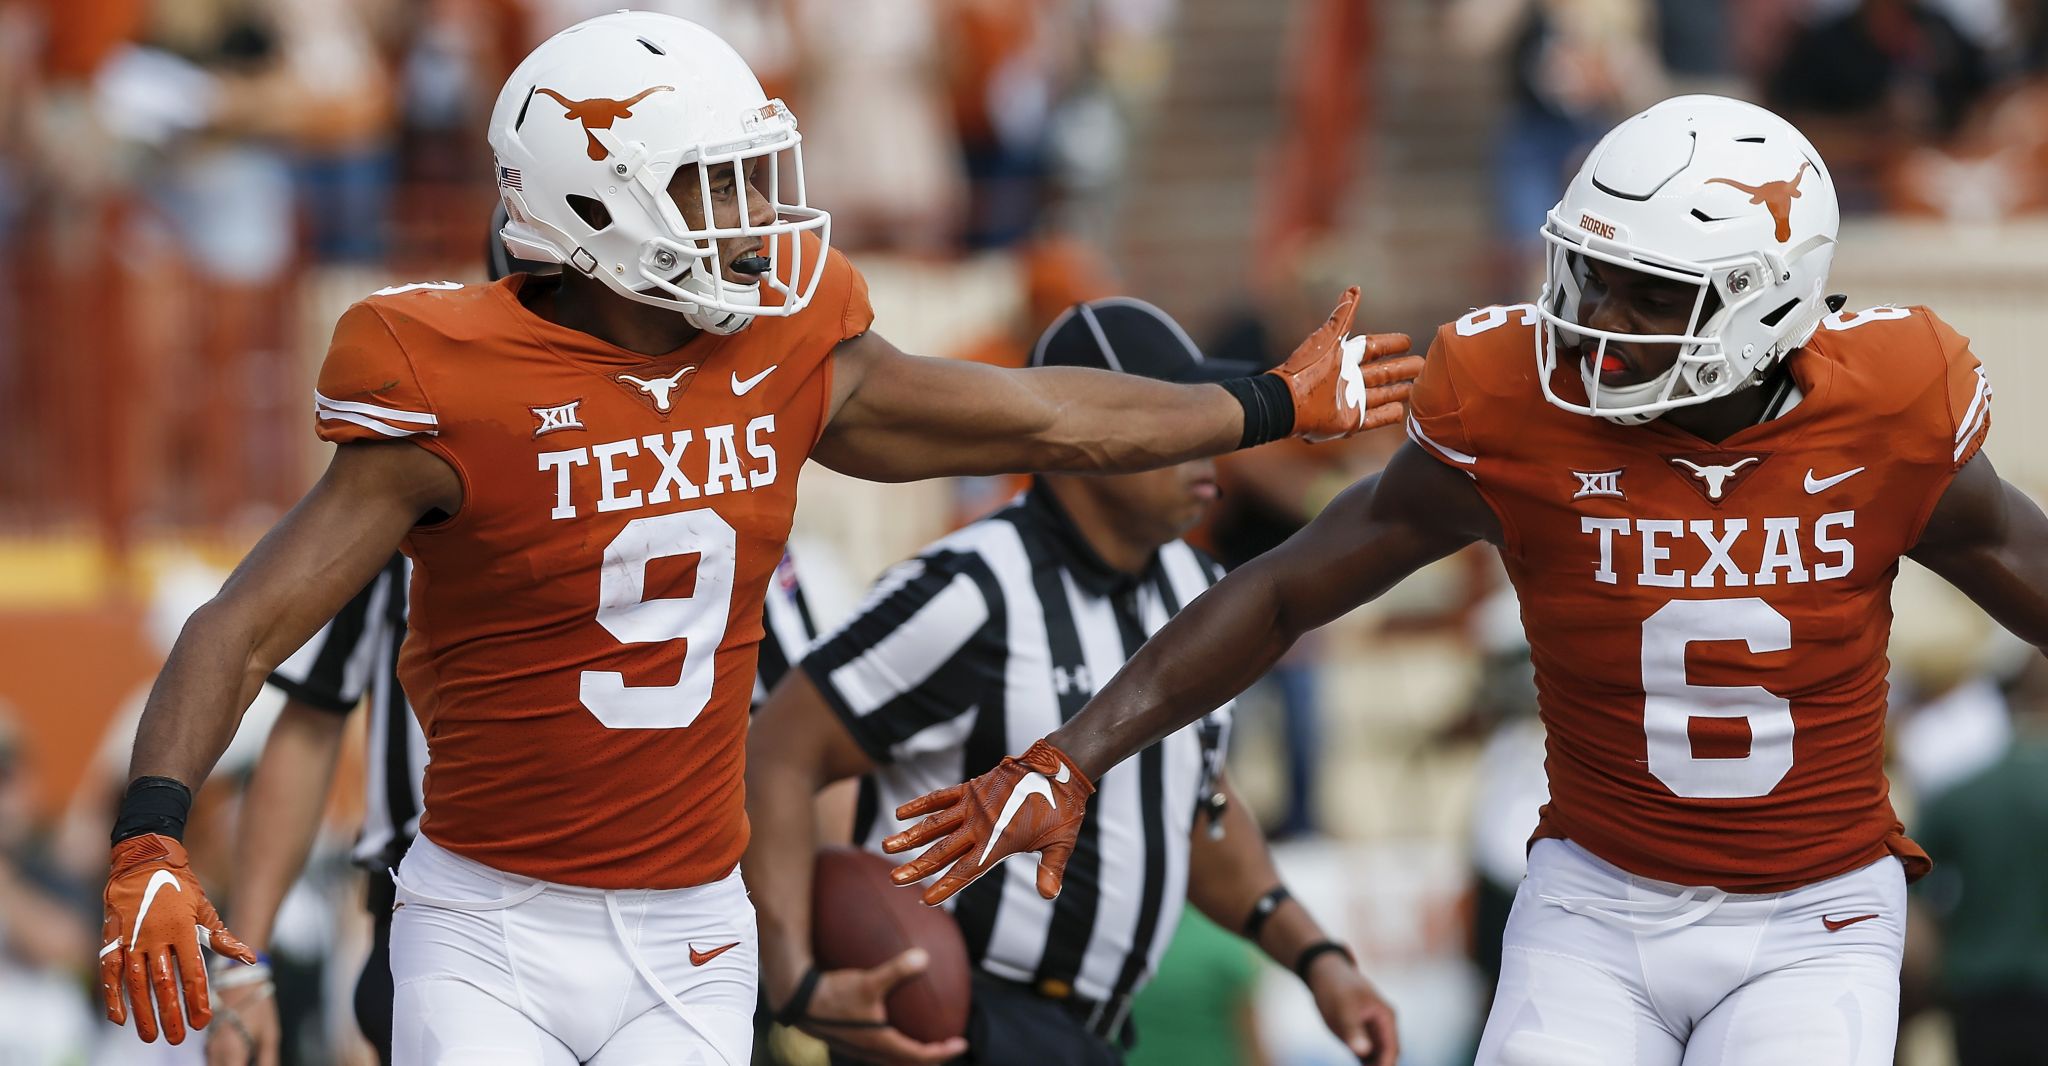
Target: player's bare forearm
[
  {"x": 899, "y": 417},
  {"x": 795, "y": 746},
  {"x": 1212, "y": 650},
  {"x": 1373, "y": 535},
  {"x": 1990, "y": 540},
  {"x": 281, "y": 814},
  {"x": 296, "y": 577}
]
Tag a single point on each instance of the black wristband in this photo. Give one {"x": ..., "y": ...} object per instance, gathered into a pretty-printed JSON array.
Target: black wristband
[
  {"x": 1263, "y": 909},
  {"x": 1268, "y": 407},
  {"x": 799, "y": 1003},
  {"x": 1317, "y": 950},
  {"x": 153, "y": 805}
]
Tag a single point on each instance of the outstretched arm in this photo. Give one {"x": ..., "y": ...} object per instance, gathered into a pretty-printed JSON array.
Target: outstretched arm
[
  {"x": 1990, "y": 540},
  {"x": 899, "y": 417},
  {"x": 1373, "y": 535}
]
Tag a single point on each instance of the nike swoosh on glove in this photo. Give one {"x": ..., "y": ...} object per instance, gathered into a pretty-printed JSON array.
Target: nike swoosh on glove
[
  {"x": 1030, "y": 802},
  {"x": 1344, "y": 385},
  {"x": 157, "y": 921}
]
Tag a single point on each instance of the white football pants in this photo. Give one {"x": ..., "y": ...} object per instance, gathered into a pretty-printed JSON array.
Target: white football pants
[
  {"x": 1602, "y": 968},
  {"x": 493, "y": 969}
]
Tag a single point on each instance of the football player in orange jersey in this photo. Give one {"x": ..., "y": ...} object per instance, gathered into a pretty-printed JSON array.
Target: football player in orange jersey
[
  {"x": 594, "y": 475},
  {"x": 1703, "y": 523}
]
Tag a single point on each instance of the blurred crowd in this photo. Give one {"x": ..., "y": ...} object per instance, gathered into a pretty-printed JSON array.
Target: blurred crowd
[
  {"x": 1932, "y": 108},
  {"x": 182, "y": 180},
  {"x": 190, "y": 189}
]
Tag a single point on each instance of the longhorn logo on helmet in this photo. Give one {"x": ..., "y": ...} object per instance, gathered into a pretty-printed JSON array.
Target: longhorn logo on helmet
[
  {"x": 598, "y": 113},
  {"x": 1775, "y": 196}
]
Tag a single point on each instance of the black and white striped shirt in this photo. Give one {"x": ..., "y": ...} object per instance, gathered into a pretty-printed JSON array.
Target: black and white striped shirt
[
  {"x": 987, "y": 641},
  {"x": 356, "y": 653}
]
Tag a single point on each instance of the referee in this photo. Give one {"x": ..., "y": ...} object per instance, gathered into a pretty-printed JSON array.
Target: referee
[
  {"x": 356, "y": 654},
  {"x": 988, "y": 639}
]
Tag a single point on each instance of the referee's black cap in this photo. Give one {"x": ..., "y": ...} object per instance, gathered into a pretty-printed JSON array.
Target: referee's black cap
[{"x": 1129, "y": 336}]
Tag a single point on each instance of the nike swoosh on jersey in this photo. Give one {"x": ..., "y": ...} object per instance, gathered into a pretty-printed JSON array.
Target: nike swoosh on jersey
[
  {"x": 1836, "y": 926},
  {"x": 157, "y": 881},
  {"x": 699, "y": 958},
  {"x": 1032, "y": 784},
  {"x": 1814, "y": 484},
  {"x": 740, "y": 386}
]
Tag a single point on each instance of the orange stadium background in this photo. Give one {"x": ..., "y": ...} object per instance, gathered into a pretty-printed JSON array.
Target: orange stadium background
[{"x": 192, "y": 190}]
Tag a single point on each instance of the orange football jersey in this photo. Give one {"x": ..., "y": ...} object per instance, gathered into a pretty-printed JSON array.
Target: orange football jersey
[
  {"x": 1708, "y": 621},
  {"x": 583, "y": 632}
]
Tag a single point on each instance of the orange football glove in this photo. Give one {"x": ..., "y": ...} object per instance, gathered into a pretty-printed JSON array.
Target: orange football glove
[
  {"x": 157, "y": 920},
  {"x": 993, "y": 817},
  {"x": 1344, "y": 385}
]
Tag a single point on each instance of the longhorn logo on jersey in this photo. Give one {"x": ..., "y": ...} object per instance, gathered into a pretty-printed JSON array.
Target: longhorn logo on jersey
[
  {"x": 598, "y": 113},
  {"x": 656, "y": 389},
  {"x": 1716, "y": 474}
]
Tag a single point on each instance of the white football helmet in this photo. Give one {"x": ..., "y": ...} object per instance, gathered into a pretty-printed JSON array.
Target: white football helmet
[
  {"x": 1714, "y": 192},
  {"x": 592, "y": 126}
]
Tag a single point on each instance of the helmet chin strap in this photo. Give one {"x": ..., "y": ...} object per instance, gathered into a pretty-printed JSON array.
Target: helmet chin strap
[{"x": 1624, "y": 395}]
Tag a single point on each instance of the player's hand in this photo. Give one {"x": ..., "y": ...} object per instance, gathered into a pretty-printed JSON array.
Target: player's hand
[
  {"x": 1344, "y": 385},
  {"x": 1353, "y": 1010},
  {"x": 848, "y": 1010},
  {"x": 1030, "y": 802},
  {"x": 247, "y": 1029},
  {"x": 157, "y": 923}
]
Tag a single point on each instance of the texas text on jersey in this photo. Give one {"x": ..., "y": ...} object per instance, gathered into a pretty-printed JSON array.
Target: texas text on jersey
[
  {"x": 584, "y": 631},
  {"x": 1708, "y": 622}
]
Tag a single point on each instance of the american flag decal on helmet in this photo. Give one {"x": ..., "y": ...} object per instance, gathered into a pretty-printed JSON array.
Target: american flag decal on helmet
[{"x": 509, "y": 178}]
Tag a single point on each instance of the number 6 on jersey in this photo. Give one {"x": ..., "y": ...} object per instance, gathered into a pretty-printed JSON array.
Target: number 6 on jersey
[{"x": 1670, "y": 702}]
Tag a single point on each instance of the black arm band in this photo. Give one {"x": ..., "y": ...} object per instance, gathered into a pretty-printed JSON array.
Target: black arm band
[
  {"x": 1268, "y": 408},
  {"x": 153, "y": 805},
  {"x": 1263, "y": 909},
  {"x": 1317, "y": 950},
  {"x": 799, "y": 1003}
]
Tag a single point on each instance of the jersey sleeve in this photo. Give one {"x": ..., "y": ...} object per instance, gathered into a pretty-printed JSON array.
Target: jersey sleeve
[
  {"x": 1968, "y": 393},
  {"x": 905, "y": 674},
  {"x": 332, "y": 670},
  {"x": 850, "y": 296},
  {"x": 1951, "y": 412},
  {"x": 839, "y": 311},
  {"x": 1436, "y": 411},
  {"x": 368, "y": 389}
]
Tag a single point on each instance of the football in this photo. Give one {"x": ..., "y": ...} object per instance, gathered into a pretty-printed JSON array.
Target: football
[{"x": 859, "y": 919}]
